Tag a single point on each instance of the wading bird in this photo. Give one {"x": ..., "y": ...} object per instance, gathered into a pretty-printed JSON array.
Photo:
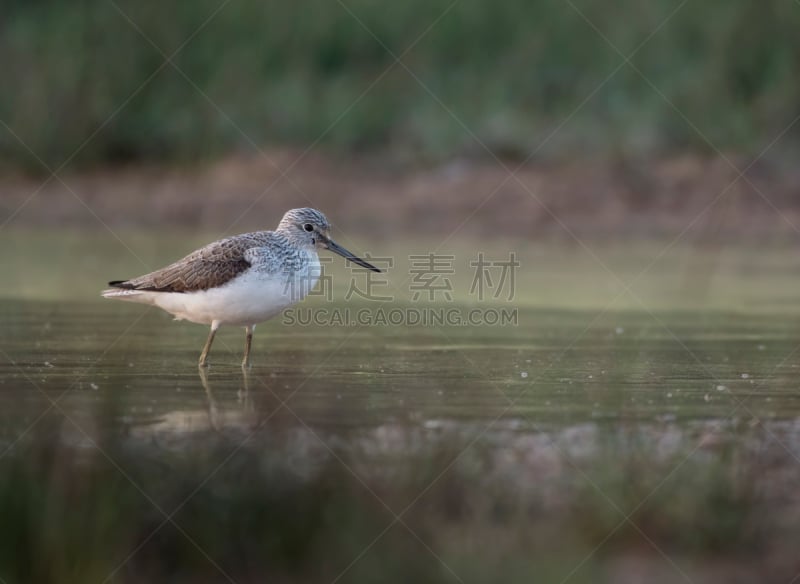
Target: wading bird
[{"x": 241, "y": 280}]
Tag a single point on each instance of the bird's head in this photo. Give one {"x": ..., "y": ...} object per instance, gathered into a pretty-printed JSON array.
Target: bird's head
[{"x": 310, "y": 227}]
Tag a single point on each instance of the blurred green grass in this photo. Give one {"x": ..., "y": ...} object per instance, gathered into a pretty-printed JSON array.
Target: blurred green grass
[
  {"x": 133, "y": 512},
  {"x": 285, "y": 72}
]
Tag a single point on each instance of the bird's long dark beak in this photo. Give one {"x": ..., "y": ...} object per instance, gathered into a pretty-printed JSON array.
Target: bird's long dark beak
[{"x": 336, "y": 248}]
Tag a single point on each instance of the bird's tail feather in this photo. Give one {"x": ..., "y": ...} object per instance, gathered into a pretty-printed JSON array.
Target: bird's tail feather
[{"x": 120, "y": 293}]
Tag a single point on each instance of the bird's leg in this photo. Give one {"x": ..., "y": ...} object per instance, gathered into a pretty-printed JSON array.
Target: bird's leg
[
  {"x": 204, "y": 355},
  {"x": 248, "y": 340}
]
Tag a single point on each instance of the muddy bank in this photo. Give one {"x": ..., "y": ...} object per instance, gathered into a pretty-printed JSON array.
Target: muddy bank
[{"x": 591, "y": 198}]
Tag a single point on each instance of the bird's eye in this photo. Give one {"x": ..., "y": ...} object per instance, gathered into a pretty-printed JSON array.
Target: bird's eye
[{"x": 308, "y": 227}]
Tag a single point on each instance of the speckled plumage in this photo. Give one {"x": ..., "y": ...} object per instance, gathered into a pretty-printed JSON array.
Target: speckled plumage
[
  {"x": 268, "y": 252},
  {"x": 240, "y": 280}
]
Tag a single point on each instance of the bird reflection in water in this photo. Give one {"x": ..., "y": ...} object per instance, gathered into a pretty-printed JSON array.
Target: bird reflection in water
[{"x": 245, "y": 417}]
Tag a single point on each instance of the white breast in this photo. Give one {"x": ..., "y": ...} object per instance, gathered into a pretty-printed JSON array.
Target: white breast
[{"x": 250, "y": 298}]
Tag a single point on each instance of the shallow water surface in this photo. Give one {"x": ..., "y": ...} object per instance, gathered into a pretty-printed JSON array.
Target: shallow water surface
[
  {"x": 565, "y": 423},
  {"x": 554, "y": 369}
]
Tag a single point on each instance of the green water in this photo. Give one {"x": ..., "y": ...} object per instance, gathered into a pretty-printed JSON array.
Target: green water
[
  {"x": 554, "y": 369},
  {"x": 573, "y": 445}
]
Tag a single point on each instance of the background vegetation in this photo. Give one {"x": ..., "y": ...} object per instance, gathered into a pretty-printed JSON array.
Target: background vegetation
[{"x": 285, "y": 72}]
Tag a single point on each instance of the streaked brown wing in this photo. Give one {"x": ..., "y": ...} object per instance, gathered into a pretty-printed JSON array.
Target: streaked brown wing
[{"x": 208, "y": 267}]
